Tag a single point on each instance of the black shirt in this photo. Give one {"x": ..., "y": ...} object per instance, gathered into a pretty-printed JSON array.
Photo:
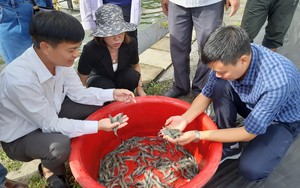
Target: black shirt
[{"x": 96, "y": 57}]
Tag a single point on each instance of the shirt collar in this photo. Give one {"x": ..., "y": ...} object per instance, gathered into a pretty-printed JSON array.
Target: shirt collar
[
  {"x": 251, "y": 72},
  {"x": 39, "y": 67}
]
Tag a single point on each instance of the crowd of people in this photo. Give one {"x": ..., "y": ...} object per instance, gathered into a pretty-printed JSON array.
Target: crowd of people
[{"x": 39, "y": 85}]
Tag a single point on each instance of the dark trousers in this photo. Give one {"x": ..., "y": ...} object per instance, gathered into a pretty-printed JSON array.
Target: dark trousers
[
  {"x": 126, "y": 79},
  {"x": 262, "y": 154},
  {"x": 279, "y": 15},
  {"x": 52, "y": 148},
  {"x": 181, "y": 21}
]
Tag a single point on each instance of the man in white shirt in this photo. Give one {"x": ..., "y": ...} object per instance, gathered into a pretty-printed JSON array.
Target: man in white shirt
[
  {"x": 183, "y": 15},
  {"x": 43, "y": 102}
]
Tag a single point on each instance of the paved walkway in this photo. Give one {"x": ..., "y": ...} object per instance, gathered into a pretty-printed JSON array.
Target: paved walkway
[{"x": 156, "y": 61}]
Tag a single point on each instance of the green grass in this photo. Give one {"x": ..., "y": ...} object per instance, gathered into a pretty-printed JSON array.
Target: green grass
[
  {"x": 1, "y": 61},
  {"x": 8, "y": 163},
  {"x": 163, "y": 24},
  {"x": 157, "y": 88},
  {"x": 36, "y": 181}
]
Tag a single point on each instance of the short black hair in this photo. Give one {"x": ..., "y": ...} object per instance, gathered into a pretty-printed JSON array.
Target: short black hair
[
  {"x": 226, "y": 44},
  {"x": 55, "y": 27}
]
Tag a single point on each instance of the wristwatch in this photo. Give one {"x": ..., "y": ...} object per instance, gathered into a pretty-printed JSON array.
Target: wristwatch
[{"x": 197, "y": 136}]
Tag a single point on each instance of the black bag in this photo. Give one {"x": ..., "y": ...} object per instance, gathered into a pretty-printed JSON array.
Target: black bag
[{"x": 37, "y": 8}]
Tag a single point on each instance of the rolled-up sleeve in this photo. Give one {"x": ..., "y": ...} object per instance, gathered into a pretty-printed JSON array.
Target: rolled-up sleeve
[{"x": 208, "y": 88}]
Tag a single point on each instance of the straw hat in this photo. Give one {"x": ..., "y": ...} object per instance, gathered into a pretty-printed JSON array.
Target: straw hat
[{"x": 110, "y": 21}]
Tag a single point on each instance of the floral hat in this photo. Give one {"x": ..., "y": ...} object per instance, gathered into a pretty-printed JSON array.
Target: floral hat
[{"x": 110, "y": 21}]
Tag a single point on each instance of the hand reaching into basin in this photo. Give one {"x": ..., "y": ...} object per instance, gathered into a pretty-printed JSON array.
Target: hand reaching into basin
[
  {"x": 179, "y": 122},
  {"x": 185, "y": 138},
  {"x": 123, "y": 95},
  {"x": 106, "y": 125},
  {"x": 176, "y": 122}
]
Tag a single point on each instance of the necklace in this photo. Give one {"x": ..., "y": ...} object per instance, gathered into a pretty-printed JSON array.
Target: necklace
[
  {"x": 114, "y": 56},
  {"x": 114, "y": 61}
]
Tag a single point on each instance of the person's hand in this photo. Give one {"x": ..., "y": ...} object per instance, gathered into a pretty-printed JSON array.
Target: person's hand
[
  {"x": 123, "y": 95},
  {"x": 165, "y": 6},
  {"x": 106, "y": 125},
  {"x": 235, "y": 5},
  {"x": 176, "y": 122},
  {"x": 184, "y": 139}
]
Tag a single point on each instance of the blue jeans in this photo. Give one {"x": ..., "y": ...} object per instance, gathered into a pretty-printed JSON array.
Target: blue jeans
[
  {"x": 3, "y": 173},
  {"x": 15, "y": 16}
]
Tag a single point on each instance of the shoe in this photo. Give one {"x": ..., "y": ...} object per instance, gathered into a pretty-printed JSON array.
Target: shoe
[
  {"x": 173, "y": 94},
  {"x": 228, "y": 153},
  {"x": 13, "y": 184},
  {"x": 54, "y": 181}
]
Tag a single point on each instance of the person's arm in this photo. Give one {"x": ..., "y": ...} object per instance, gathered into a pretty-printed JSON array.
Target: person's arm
[
  {"x": 200, "y": 103},
  {"x": 29, "y": 102},
  {"x": 165, "y": 6},
  {"x": 85, "y": 62},
  {"x": 238, "y": 134},
  {"x": 83, "y": 78},
  {"x": 87, "y": 12},
  {"x": 38, "y": 111},
  {"x": 139, "y": 89},
  {"x": 198, "y": 106},
  {"x": 235, "y": 5}
]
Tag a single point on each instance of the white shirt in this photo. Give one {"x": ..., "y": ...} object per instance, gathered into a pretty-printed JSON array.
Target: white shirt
[
  {"x": 89, "y": 7},
  {"x": 194, "y": 3},
  {"x": 31, "y": 98},
  {"x": 115, "y": 67}
]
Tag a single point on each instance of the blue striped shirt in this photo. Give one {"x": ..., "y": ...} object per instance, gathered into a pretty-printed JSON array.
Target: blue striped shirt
[{"x": 271, "y": 89}]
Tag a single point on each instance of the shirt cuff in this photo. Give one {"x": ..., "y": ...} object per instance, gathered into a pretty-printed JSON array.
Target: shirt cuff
[
  {"x": 91, "y": 126},
  {"x": 107, "y": 95}
]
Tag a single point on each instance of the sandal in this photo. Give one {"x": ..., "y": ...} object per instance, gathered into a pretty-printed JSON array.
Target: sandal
[{"x": 54, "y": 181}]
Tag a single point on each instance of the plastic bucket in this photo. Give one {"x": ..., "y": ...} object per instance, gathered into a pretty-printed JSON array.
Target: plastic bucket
[{"x": 146, "y": 118}]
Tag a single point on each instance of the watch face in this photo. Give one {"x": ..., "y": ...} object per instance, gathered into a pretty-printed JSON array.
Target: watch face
[{"x": 197, "y": 136}]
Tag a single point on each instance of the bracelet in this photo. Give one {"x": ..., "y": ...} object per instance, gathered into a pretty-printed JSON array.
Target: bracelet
[{"x": 197, "y": 136}]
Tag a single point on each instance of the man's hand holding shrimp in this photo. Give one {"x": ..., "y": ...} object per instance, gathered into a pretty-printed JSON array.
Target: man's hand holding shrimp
[
  {"x": 106, "y": 124},
  {"x": 178, "y": 122},
  {"x": 185, "y": 138}
]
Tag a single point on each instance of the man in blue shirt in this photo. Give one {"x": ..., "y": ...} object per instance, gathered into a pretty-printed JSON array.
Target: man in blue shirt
[{"x": 256, "y": 83}]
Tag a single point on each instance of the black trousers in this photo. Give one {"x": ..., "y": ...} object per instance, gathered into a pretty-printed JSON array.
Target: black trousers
[
  {"x": 126, "y": 79},
  {"x": 52, "y": 148}
]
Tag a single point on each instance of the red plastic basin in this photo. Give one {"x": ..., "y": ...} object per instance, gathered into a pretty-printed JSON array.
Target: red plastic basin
[{"x": 146, "y": 118}]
